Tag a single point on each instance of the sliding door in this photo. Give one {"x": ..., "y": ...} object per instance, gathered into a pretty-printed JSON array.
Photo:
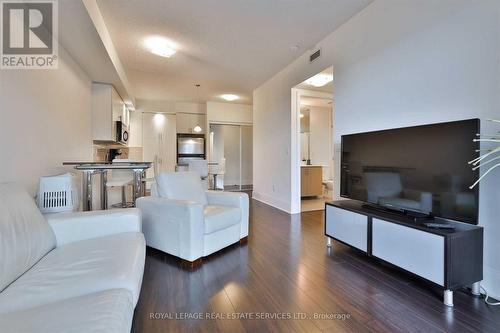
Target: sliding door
[{"x": 230, "y": 152}]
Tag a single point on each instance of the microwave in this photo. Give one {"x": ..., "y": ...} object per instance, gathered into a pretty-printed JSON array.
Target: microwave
[{"x": 122, "y": 133}]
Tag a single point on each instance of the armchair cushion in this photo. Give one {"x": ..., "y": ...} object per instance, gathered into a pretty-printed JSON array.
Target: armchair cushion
[
  {"x": 73, "y": 227},
  {"x": 181, "y": 186},
  {"x": 220, "y": 217},
  {"x": 235, "y": 199},
  {"x": 25, "y": 236}
]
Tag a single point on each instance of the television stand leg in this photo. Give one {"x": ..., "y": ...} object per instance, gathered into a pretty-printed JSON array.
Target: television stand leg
[
  {"x": 448, "y": 297},
  {"x": 476, "y": 289},
  {"x": 328, "y": 242}
]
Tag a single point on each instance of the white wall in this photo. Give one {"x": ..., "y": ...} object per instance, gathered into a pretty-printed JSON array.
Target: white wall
[
  {"x": 44, "y": 120},
  {"x": 229, "y": 113},
  {"x": 396, "y": 63}
]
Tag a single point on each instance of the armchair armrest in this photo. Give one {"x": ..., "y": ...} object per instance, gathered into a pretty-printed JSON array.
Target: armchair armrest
[
  {"x": 173, "y": 226},
  {"x": 73, "y": 227},
  {"x": 236, "y": 199}
]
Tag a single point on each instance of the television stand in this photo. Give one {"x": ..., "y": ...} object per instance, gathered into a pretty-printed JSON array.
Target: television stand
[{"x": 449, "y": 258}]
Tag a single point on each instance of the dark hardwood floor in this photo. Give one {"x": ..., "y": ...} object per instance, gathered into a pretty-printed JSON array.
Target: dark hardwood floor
[{"x": 286, "y": 268}]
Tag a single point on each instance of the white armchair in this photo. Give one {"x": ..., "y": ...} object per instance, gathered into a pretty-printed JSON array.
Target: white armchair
[{"x": 182, "y": 219}]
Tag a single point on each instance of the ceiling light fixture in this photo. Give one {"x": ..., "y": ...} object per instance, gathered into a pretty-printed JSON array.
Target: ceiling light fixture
[
  {"x": 301, "y": 115},
  {"x": 197, "y": 129},
  {"x": 319, "y": 80},
  {"x": 229, "y": 97},
  {"x": 161, "y": 46}
]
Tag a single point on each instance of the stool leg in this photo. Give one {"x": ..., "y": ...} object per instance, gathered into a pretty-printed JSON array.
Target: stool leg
[
  {"x": 124, "y": 197},
  {"x": 104, "y": 191}
]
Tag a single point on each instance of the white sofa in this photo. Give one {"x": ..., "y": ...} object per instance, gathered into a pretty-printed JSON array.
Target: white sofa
[
  {"x": 184, "y": 220},
  {"x": 76, "y": 272}
]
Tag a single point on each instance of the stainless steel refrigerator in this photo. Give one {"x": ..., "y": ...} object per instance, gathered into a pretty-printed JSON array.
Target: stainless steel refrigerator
[{"x": 190, "y": 147}]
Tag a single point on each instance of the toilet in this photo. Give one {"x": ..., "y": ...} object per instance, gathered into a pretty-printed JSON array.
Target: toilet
[{"x": 328, "y": 184}]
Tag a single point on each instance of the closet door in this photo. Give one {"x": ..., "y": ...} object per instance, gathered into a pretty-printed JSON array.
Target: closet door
[
  {"x": 234, "y": 144},
  {"x": 246, "y": 157}
]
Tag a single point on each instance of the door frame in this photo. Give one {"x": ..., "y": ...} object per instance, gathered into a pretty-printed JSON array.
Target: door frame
[{"x": 297, "y": 94}]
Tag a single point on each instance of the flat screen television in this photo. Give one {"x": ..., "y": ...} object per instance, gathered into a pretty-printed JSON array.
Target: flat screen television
[{"x": 421, "y": 170}]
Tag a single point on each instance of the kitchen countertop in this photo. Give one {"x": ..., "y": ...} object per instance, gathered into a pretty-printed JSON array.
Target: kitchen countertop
[{"x": 109, "y": 165}]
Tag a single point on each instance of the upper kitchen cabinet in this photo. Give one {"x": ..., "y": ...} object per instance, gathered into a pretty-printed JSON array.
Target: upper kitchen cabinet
[
  {"x": 110, "y": 116},
  {"x": 188, "y": 123}
]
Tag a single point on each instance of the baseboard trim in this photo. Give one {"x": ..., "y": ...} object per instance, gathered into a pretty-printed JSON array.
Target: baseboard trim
[{"x": 272, "y": 201}]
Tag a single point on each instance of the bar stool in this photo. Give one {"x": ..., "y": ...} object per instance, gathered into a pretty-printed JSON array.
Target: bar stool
[
  {"x": 201, "y": 167},
  {"x": 123, "y": 179},
  {"x": 218, "y": 174}
]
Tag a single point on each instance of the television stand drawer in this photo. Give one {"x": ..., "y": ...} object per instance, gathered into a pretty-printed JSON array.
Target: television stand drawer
[
  {"x": 416, "y": 251},
  {"x": 347, "y": 227}
]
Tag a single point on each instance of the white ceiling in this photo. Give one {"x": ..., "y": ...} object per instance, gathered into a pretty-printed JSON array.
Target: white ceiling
[
  {"x": 227, "y": 46},
  {"x": 78, "y": 36},
  {"x": 326, "y": 88}
]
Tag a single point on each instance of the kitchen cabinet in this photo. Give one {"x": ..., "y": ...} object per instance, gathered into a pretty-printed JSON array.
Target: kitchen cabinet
[
  {"x": 107, "y": 109},
  {"x": 311, "y": 180},
  {"x": 186, "y": 122}
]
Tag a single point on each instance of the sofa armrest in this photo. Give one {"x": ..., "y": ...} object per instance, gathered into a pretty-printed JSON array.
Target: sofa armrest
[
  {"x": 73, "y": 227},
  {"x": 173, "y": 226},
  {"x": 237, "y": 199}
]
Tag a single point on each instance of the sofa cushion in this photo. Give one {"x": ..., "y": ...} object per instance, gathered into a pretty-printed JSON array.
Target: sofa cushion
[
  {"x": 25, "y": 236},
  {"x": 218, "y": 217},
  {"x": 106, "y": 311},
  {"x": 181, "y": 186},
  {"x": 80, "y": 268}
]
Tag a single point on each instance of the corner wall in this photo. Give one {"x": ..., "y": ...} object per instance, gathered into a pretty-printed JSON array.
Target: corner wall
[
  {"x": 396, "y": 63},
  {"x": 44, "y": 120}
]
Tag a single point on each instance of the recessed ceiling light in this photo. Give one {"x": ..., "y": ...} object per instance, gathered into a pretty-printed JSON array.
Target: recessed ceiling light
[
  {"x": 161, "y": 46},
  {"x": 229, "y": 97},
  {"x": 319, "y": 80}
]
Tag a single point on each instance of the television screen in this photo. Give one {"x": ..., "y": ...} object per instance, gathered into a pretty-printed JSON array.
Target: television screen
[{"x": 421, "y": 169}]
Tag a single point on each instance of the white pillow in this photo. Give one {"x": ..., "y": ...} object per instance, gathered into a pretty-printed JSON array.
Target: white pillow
[
  {"x": 25, "y": 235},
  {"x": 181, "y": 186}
]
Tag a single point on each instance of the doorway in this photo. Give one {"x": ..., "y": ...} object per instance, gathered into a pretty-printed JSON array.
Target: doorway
[
  {"x": 231, "y": 156},
  {"x": 312, "y": 142}
]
